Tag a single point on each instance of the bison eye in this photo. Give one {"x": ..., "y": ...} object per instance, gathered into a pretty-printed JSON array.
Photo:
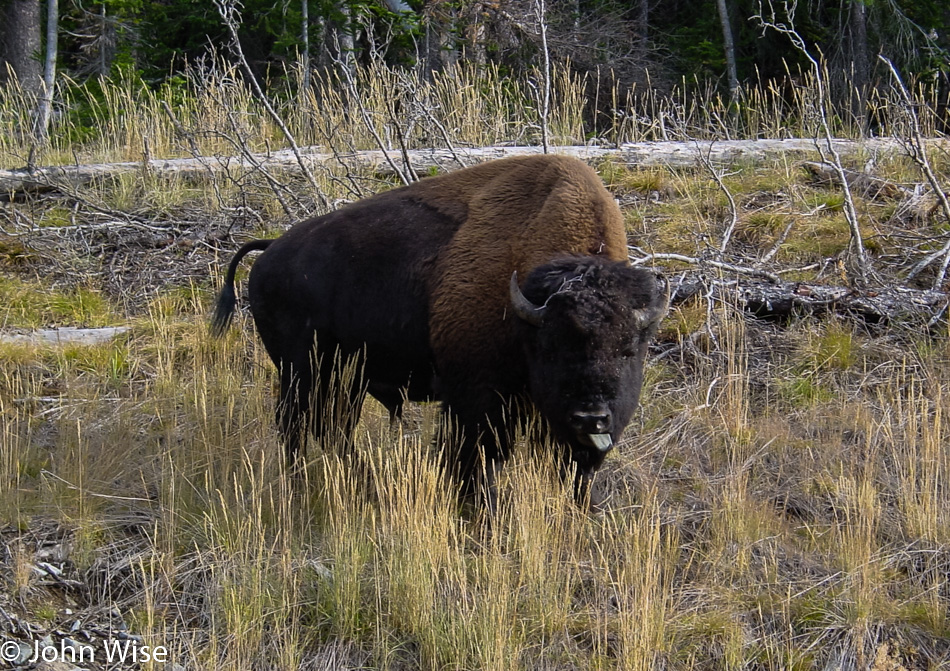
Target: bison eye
[{"x": 628, "y": 350}]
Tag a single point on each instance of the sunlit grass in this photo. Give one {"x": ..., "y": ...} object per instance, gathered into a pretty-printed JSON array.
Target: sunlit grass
[
  {"x": 29, "y": 304},
  {"x": 745, "y": 534},
  {"x": 779, "y": 502}
]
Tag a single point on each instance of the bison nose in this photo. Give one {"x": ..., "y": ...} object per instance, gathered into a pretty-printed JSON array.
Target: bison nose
[{"x": 591, "y": 421}]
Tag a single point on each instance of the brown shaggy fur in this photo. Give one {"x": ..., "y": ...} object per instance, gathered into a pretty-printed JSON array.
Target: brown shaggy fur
[{"x": 519, "y": 214}]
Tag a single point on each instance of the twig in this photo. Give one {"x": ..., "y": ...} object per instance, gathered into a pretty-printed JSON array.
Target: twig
[
  {"x": 541, "y": 11},
  {"x": 237, "y": 141},
  {"x": 231, "y": 18},
  {"x": 733, "y": 210},
  {"x": 194, "y": 149},
  {"x": 778, "y": 244},
  {"x": 868, "y": 185},
  {"x": 111, "y": 497},
  {"x": 166, "y": 230},
  {"x": 117, "y": 218},
  {"x": 850, "y": 211},
  {"x": 918, "y": 153},
  {"x": 401, "y": 136},
  {"x": 426, "y": 112},
  {"x": 696, "y": 261},
  {"x": 355, "y": 96}
]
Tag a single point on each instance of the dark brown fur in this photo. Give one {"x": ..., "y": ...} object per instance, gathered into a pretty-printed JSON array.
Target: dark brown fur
[{"x": 414, "y": 285}]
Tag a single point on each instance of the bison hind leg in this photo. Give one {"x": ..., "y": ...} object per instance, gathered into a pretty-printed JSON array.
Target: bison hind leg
[
  {"x": 321, "y": 394},
  {"x": 293, "y": 408},
  {"x": 339, "y": 397}
]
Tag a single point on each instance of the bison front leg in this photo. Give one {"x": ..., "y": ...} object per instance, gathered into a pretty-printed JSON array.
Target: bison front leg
[
  {"x": 588, "y": 493},
  {"x": 473, "y": 473},
  {"x": 474, "y": 450}
]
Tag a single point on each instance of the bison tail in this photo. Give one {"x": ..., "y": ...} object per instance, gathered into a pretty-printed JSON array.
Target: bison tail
[
  {"x": 223, "y": 311},
  {"x": 227, "y": 299}
]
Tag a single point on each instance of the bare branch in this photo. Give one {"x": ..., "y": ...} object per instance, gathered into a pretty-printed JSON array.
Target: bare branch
[
  {"x": 827, "y": 143},
  {"x": 232, "y": 19},
  {"x": 917, "y": 151},
  {"x": 733, "y": 210},
  {"x": 541, "y": 10},
  {"x": 697, "y": 261},
  {"x": 778, "y": 245},
  {"x": 355, "y": 97}
]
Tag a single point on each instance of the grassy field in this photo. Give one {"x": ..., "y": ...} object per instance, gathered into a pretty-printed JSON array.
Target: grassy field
[{"x": 782, "y": 501}]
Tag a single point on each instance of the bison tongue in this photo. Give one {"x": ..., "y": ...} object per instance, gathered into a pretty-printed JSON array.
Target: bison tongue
[{"x": 602, "y": 441}]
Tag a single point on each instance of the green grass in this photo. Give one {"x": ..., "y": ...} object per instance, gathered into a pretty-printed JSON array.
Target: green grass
[{"x": 28, "y": 304}]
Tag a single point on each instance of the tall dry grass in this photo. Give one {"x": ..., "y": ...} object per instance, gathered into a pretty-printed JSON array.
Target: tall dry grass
[
  {"x": 747, "y": 526},
  {"x": 465, "y": 105},
  {"x": 781, "y": 502}
]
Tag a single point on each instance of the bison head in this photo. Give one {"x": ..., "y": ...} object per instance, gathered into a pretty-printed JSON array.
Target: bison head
[{"x": 585, "y": 326}]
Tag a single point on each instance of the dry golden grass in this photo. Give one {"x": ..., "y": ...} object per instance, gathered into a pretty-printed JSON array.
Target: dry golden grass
[
  {"x": 466, "y": 105},
  {"x": 781, "y": 502},
  {"x": 748, "y": 526}
]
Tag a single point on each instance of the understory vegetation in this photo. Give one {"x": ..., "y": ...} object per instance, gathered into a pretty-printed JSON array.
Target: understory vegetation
[{"x": 781, "y": 501}]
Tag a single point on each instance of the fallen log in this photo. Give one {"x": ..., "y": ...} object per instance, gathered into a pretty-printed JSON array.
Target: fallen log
[
  {"x": 867, "y": 185},
  {"x": 65, "y": 336},
  {"x": 638, "y": 154},
  {"x": 782, "y": 301}
]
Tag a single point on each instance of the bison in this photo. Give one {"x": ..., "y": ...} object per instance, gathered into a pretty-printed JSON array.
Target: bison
[{"x": 418, "y": 290}]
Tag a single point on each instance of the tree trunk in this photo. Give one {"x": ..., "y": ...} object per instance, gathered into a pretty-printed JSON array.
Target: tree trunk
[
  {"x": 20, "y": 43},
  {"x": 105, "y": 54},
  {"x": 98, "y": 54},
  {"x": 730, "y": 48},
  {"x": 305, "y": 64},
  {"x": 861, "y": 69},
  {"x": 441, "y": 49},
  {"x": 346, "y": 45},
  {"x": 474, "y": 23},
  {"x": 643, "y": 27},
  {"x": 45, "y": 110}
]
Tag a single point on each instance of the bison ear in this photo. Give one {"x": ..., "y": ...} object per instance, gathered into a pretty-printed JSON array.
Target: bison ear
[
  {"x": 524, "y": 308},
  {"x": 663, "y": 304},
  {"x": 650, "y": 316}
]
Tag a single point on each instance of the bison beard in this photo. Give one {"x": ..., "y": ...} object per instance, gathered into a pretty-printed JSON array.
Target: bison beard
[{"x": 417, "y": 289}]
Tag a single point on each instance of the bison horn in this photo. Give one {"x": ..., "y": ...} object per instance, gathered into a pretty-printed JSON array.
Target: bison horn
[
  {"x": 647, "y": 317},
  {"x": 524, "y": 308}
]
